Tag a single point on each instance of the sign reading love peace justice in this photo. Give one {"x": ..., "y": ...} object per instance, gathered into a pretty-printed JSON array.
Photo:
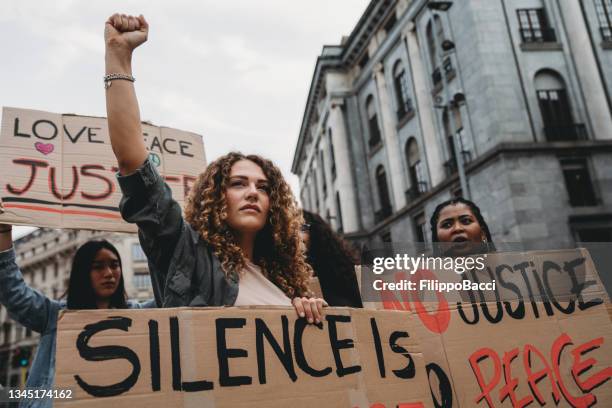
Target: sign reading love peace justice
[{"x": 59, "y": 170}]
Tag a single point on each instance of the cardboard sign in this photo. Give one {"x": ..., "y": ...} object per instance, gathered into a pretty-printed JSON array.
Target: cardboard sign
[
  {"x": 59, "y": 170},
  {"x": 240, "y": 357},
  {"x": 539, "y": 348},
  {"x": 543, "y": 337}
]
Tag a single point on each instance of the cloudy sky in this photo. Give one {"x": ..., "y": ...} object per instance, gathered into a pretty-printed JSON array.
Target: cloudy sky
[{"x": 236, "y": 72}]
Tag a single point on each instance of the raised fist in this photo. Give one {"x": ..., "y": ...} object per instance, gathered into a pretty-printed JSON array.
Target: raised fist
[{"x": 126, "y": 32}]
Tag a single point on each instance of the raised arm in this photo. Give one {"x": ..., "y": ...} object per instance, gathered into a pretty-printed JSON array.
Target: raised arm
[
  {"x": 122, "y": 34},
  {"x": 24, "y": 304}
]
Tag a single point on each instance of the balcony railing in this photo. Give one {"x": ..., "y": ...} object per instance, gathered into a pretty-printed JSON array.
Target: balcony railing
[
  {"x": 537, "y": 35},
  {"x": 566, "y": 133},
  {"x": 382, "y": 214},
  {"x": 405, "y": 109},
  {"x": 415, "y": 192}
]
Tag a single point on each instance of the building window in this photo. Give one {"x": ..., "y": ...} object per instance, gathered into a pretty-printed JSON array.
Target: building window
[
  {"x": 534, "y": 26},
  {"x": 390, "y": 23},
  {"x": 431, "y": 41},
  {"x": 141, "y": 281},
  {"x": 322, "y": 160},
  {"x": 333, "y": 156},
  {"x": 416, "y": 172},
  {"x": 315, "y": 183},
  {"x": 402, "y": 91},
  {"x": 43, "y": 274},
  {"x": 578, "y": 182},
  {"x": 364, "y": 60},
  {"x": 594, "y": 235},
  {"x": 604, "y": 14},
  {"x": 593, "y": 228},
  {"x": 555, "y": 108},
  {"x": 419, "y": 227},
  {"x": 375, "y": 138},
  {"x": 55, "y": 270},
  {"x": 383, "y": 195},
  {"x": 451, "y": 163},
  {"x": 339, "y": 212},
  {"x": 386, "y": 236},
  {"x": 138, "y": 254}
]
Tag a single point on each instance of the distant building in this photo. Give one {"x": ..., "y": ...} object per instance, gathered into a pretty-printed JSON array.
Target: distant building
[
  {"x": 45, "y": 259},
  {"x": 519, "y": 91}
]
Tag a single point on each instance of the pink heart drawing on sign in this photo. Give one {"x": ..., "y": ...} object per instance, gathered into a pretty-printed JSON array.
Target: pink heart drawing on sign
[{"x": 44, "y": 148}]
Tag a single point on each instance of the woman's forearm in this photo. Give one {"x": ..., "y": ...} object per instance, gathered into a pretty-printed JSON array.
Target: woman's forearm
[{"x": 121, "y": 37}]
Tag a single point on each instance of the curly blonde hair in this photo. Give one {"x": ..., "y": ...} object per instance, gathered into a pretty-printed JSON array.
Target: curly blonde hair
[{"x": 278, "y": 249}]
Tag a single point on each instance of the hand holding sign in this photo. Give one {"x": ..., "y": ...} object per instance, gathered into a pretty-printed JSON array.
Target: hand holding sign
[{"x": 125, "y": 32}]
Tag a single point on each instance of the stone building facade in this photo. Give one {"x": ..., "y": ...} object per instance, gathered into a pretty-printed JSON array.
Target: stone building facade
[
  {"x": 45, "y": 258},
  {"x": 516, "y": 93}
]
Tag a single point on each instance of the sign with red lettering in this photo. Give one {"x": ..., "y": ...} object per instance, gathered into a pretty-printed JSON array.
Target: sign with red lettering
[
  {"x": 59, "y": 170},
  {"x": 543, "y": 336}
]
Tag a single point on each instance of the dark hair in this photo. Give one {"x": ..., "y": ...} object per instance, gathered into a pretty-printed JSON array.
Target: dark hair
[
  {"x": 333, "y": 261},
  {"x": 475, "y": 210},
  {"x": 80, "y": 293}
]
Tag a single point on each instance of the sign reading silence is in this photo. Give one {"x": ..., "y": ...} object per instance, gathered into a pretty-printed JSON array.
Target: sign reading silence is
[
  {"x": 502, "y": 352},
  {"x": 59, "y": 170}
]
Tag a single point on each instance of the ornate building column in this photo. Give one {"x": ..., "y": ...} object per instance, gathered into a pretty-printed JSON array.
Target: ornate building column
[
  {"x": 586, "y": 68},
  {"x": 392, "y": 147},
  {"x": 431, "y": 144},
  {"x": 345, "y": 184}
]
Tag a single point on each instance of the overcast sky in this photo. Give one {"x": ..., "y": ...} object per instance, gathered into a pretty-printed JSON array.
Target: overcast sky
[{"x": 237, "y": 72}]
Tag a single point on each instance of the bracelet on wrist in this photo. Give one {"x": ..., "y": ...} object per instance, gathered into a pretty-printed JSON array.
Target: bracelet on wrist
[{"x": 114, "y": 76}]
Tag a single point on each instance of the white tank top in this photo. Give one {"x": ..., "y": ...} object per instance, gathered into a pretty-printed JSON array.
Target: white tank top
[{"x": 255, "y": 289}]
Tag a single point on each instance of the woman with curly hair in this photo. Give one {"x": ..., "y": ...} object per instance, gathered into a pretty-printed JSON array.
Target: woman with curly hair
[
  {"x": 332, "y": 260},
  {"x": 239, "y": 243}
]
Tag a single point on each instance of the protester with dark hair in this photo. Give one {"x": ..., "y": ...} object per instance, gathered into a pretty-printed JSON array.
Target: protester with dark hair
[
  {"x": 239, "y": 242},
  {"x": 90, "y": 285},
  {"x": 459, "y": 225},
  {"x": 96, "y": 282},
  {"x": 332, "y": 260}
]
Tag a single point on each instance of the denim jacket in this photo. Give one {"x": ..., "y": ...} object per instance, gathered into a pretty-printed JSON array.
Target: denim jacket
[
  {"x": 39, "y": 313},
  {"x": 184, "y": 270}
]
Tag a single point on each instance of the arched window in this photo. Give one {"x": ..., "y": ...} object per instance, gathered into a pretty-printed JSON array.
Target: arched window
[
  {"x": 555, "y": 107},
  {"x": 451, "y": 163},
  {"x": 383, "y": 194},
  {"x": 331, "y": 152},
  {"x": 604, "y": 14},
  {"x": 340, "y": 223},
  {"x": 375, "y": 138},
  {"x": 431, "y": 41},
  {"x": 438, "y": 31},
  {"x": 418, "y": 185},
  {"x": 402, "y": 90}
]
